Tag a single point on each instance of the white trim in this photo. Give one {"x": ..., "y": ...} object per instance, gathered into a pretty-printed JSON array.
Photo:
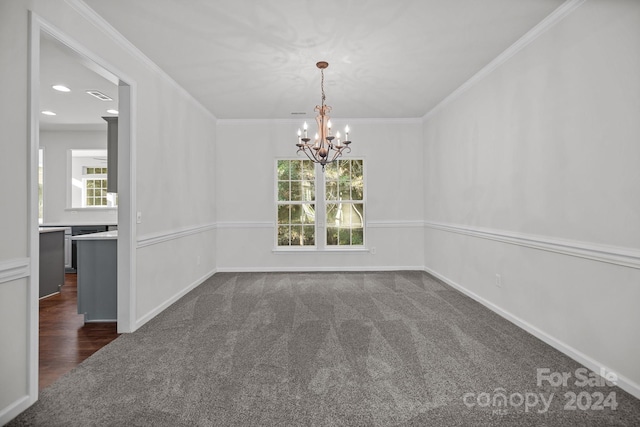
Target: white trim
[
  {"x": 298, "y": 121},
  {"x": 590, "y": 363},
  {"x": 245, "y": 224},
  {"x": 313, "y": 269},
  {"x": 554, "y": 18},
  {"x": 14, "y": 269},
  {"x": 627, "y": 257},
  {"x": 396, "y": 224},
  {"x": 100, "y": 23},
  {"x": 33, "y": 135},
  {"x": 15, "y": 409},
  {"x": 155, "y": 238},
  {"x": 316, "y": 250},
  {"x": 159, "y": 309}
]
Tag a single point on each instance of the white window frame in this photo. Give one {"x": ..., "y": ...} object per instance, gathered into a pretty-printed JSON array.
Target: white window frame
[{"x": 320, "y": 217}]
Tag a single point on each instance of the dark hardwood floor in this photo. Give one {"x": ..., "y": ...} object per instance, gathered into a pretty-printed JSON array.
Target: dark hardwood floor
[{"x": 65, "y": 340}]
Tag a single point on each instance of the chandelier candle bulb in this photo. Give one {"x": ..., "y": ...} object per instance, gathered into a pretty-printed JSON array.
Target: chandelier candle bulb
[
  {"x": 346, "y": 131},
  {"x": 305, "y": 129}
]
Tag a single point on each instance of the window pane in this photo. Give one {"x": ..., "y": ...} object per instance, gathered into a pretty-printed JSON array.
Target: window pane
[
  {"x": 308, "y": 170},
  {"x": 283, "y": 191},
  {"x": 296, "y": 169},
  {"x": 332, "y": 212},
  {"x": 308, "y": 191},
  {"x": 296, "y": 190},
  {"x": 308, "y": 213},
  {"x": 359, "y": 211},
  {"x": 296, "y": 214},
  {"x": 331, "y": 190},
  {"x": 90, "y": 202},
  {"x": 283, "y": 235},
  {"x": 283, "y": 214},
  {"x": 357, "y": 192},
  {"x": 90, "y": 171},
  {"x": 357, "y": 236},
  {"x": 344, "y": 236},
  {"x": 296, "y": 235},
  {"x": 332, "y": 236},
  {"x": 309, "y": 235},
  {"x": 89, "y": 193},
  {"x": 89, "y": 183},
  {"x": 283, "y": 170}
]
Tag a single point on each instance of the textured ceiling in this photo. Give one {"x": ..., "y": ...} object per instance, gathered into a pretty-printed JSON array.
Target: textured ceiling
[
  {"x": 256, "y": 59},
  {"x": 76, "y": 109}
]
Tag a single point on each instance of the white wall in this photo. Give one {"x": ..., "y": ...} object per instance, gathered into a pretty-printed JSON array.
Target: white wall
[
  {"x": 14, "y": 217},
  {"x": 544, "y": 153},
  {"x": 246, "y": 153},
  {"x": 173, "y": 174},
  {"x": 56, "y": 146}
]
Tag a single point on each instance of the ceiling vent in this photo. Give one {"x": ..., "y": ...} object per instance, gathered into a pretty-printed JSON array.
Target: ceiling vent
[{"x": 101, "y": 96}]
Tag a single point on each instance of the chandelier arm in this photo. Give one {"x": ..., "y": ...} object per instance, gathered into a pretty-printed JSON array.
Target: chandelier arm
[{"x": 306, "y": 149}]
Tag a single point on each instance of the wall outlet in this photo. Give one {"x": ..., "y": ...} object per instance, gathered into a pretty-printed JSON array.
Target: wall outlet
[
  {"x": 498, "y": 280},
  {"x": 138, "y": 217},
  {"x": 373, "y": 250}
]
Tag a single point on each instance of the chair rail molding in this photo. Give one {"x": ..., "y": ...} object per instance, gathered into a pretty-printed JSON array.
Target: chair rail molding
[
  {"x": 165, "y": 236},
  {"x": 627, "y": 257},
  {"x": 14, "y": 269}
]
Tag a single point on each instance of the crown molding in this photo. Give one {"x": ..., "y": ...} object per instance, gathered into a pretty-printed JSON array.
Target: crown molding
[
  {"x": 554, "y": 18},
  {"x": 100, "y": 23},
  {"x": 383, "y": 121}
]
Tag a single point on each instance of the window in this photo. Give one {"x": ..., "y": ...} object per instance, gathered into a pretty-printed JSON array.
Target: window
[
  {"x": 338, "y": 202},
  {"x": 88, "y": 180},
  {"x": 296, "y": 207},
  {"x": 344, "y": 203},
  {"x": 94, "y": 186}
]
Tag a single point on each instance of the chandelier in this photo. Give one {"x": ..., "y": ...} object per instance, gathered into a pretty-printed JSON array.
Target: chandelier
[{"x": 326, "y": 147}]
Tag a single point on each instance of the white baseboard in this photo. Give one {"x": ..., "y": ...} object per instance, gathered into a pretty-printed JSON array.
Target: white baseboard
[
  {"x": 317, "y": 269},
  {"x": 159, "y": 309},
  {"x": 623, "y": 382},
  {"x": 15, "y": 409}
]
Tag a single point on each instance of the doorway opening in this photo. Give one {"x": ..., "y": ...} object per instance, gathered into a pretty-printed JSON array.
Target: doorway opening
[{"x": 71, "y": 195}]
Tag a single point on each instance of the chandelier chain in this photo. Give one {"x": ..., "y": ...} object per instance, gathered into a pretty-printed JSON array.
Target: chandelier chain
[{"x": 322, "y": 85}]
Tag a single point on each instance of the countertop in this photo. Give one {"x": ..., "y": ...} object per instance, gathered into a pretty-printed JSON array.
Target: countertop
[
  {"x": 52, "y": 229},
  {"x": 105, "y": 235}
]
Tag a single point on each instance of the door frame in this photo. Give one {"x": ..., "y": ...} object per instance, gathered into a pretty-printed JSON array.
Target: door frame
[{"x": 126, "y": 183}]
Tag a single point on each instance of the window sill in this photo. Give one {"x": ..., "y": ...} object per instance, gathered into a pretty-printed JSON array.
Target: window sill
[
  {"x": 315, "y": 250},
  {"x": 95, "y": 208}
]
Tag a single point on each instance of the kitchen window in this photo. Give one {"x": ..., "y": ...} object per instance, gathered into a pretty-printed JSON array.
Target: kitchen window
[
  {"x": 318, "y": 209},
  {"x": 88, "y": 179}
]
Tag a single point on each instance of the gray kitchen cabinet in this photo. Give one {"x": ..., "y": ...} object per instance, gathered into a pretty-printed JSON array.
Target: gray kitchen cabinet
[
  {"x": 52, "y": 257},
  {"x": 97, "y": 276}
]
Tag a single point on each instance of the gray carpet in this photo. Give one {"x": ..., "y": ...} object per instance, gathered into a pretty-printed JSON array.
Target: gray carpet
[{"x": 326, "y": 349}]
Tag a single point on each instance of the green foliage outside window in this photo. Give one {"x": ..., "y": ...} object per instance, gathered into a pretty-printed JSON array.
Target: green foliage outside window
[
  {"x": 344, "y": 195},
  {"x": 296, "y": 203}
]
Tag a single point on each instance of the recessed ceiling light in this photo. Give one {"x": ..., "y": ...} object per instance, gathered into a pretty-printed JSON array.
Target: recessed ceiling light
[
  {"x": 61, "y": 88},
  {"x": 112, "y": 111},
  {"x": 101, "y": 96},
  {"x": 48, "y": 113}
]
